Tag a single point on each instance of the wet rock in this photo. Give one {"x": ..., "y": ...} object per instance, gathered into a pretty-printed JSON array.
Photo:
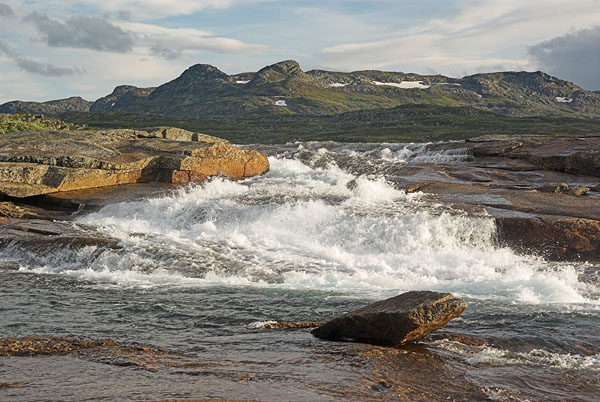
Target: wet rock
[
  {"x": 10, "y": 209},
  {"x": 41, "y": 235},
  {"x": 395, "y": 321},
  {"x": 564, "y": 188},
  {"x": 560, "y": 238},
  {"x": 293, "y": 324},
  {"x": 41, "y": 162},
  {"x": 571, "y": 154},
  {"x": 50, "y": 345}
]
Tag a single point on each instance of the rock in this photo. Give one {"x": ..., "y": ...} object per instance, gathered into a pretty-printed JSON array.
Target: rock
[
  {"x": 558, "y": 238},
  {"x": 41, "y": 162},
  {"x": 292, "y": 324},
  {"x": 395, "y": 321},
  {"x": 41, "y": 236},
  {"x": 177, "y": 134},
  {"x": 49, "y": 345},
  {"x": 571, "y": 154},
  {"x": 12, "y": 210},
  {"x": 563, "y": 188}
]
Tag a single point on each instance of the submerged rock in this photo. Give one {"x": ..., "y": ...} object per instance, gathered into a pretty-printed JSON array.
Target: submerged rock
[
  {"x": 395, "y": 321},
  {"x": 41, "y": 162}
]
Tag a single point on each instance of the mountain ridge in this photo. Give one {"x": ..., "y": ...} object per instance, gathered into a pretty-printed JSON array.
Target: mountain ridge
[{"x": 283, "y": 88}]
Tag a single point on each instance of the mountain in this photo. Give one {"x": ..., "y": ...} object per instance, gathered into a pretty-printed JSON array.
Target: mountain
[
  {"x": 49, "y": 108},
  {"x": 284, "y": 89},
  {"x": 122, "y": 97}
]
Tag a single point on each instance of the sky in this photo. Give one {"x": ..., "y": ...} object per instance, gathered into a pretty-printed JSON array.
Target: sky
[{"x": 53, "y": 49}]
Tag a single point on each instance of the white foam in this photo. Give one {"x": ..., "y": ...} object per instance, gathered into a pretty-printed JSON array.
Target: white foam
[
  {"x": 563, "y": 99},
  {"x": 491, "y": 356},
  {"x": 308, "y": 225},
  {"x": 242, "y": 81},
  {"x": 260, "y": 324},
  {"x": 280, "y": 102},
  {"x": 338, "y": 85},
  {"x": 419, "y": 153},
  {"x": 403, "y": 84}
]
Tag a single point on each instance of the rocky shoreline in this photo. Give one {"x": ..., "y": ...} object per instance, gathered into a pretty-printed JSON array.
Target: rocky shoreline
[
  {"x": 51, "y": 175},
  {"x": 543, "y": 192}
]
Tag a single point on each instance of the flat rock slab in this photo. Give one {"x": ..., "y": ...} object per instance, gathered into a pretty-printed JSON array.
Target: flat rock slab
[
  {"x": 40, "y": 235},
  {"x": 42, "y": 162},
  {"x": 395, "y": 321}
]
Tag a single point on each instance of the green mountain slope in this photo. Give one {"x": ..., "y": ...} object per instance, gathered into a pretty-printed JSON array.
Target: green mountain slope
[
  {"x": 284, "y": 88},
  {"x": 281, "y": 102}
]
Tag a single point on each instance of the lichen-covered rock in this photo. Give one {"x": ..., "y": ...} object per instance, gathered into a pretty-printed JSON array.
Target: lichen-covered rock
[
  {"x": 395, "y": 321},
  {"x": 41, "y": 162}
]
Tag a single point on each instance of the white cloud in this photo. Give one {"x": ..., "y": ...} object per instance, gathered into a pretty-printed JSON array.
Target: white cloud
[
  {"x": 171, "y": 43},
  {"x": 139, "y": 9},
  {"x": 470, "y": 41}
]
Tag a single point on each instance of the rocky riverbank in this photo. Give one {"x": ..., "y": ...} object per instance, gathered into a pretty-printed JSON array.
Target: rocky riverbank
[
  {"x": 544, "y": 192},
  {"x": 49, "y": 175}
]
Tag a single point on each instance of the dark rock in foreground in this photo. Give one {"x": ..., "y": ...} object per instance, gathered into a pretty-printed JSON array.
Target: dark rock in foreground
[{"x": 395, "y": 321}]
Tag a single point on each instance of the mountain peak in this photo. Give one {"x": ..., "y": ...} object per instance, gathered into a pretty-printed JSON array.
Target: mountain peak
[
  {"x": 196, "y": 79},
  {"x": 278, "y": 72},
  {"x": 203, "y": 69},
  {"x": 287, "y": 67}
]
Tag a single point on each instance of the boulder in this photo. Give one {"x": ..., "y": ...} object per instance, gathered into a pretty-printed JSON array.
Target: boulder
[
  {"x": 42, "y": 162},
  {"x": 395, "y": 321}
]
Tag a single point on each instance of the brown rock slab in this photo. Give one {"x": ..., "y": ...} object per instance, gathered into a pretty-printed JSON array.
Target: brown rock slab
[
  {"x": 559, "y": 238},
  {"x": 42, "y": 162},
  {"x": 578, "y": 154},
  {"x": 12, "y": 210},
  {"x": 395, "y": 321}
]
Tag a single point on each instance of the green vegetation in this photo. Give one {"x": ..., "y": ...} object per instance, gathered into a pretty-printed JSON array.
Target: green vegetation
[
  {"x": 325, "y": 105},
  {"x": 21, "y": 121},
  {"x": 410, "y": 123}
]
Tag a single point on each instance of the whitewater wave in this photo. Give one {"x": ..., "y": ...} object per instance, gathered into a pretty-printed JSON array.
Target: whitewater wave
[
  {"x": 308, "y": 224},
  {"x": 491, "y": 356}
]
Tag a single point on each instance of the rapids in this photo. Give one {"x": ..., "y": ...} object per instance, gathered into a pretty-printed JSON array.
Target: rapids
[{"x": 327, "y": 225}]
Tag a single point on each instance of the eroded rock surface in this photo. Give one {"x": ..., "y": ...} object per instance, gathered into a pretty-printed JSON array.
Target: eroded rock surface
[
  {"x": 395, "y": 321},
  {"x": 41, "y": 235},
  {"x": 41, "y": 162},
  {"x": 543, "y": 191}
]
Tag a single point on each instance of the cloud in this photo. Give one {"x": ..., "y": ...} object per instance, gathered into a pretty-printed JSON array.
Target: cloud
[
  {"x": 6, "y": 10},
  {"x": 141, "y": 9},
  {"x": 574, "y": 56},
  {"x": 174, "y": 46},
  {"x": 82, "y": 32},
  {"x": 474, "y": 36},
  {"x": 35, "y": 67},
  {"x": 172, "y": 43},
  {"x": 50, "y": 70}
]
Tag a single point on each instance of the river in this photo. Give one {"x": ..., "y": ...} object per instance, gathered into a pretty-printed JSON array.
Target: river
[{"x": 325, "y": 231}]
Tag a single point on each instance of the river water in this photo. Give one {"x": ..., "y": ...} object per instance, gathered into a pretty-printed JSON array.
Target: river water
[{"x": 201, "y": 268}]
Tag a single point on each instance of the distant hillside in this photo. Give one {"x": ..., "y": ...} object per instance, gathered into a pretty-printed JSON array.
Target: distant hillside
[
  {"x": 204, "y": 91},
  {"x": 50, "y": 108}
]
